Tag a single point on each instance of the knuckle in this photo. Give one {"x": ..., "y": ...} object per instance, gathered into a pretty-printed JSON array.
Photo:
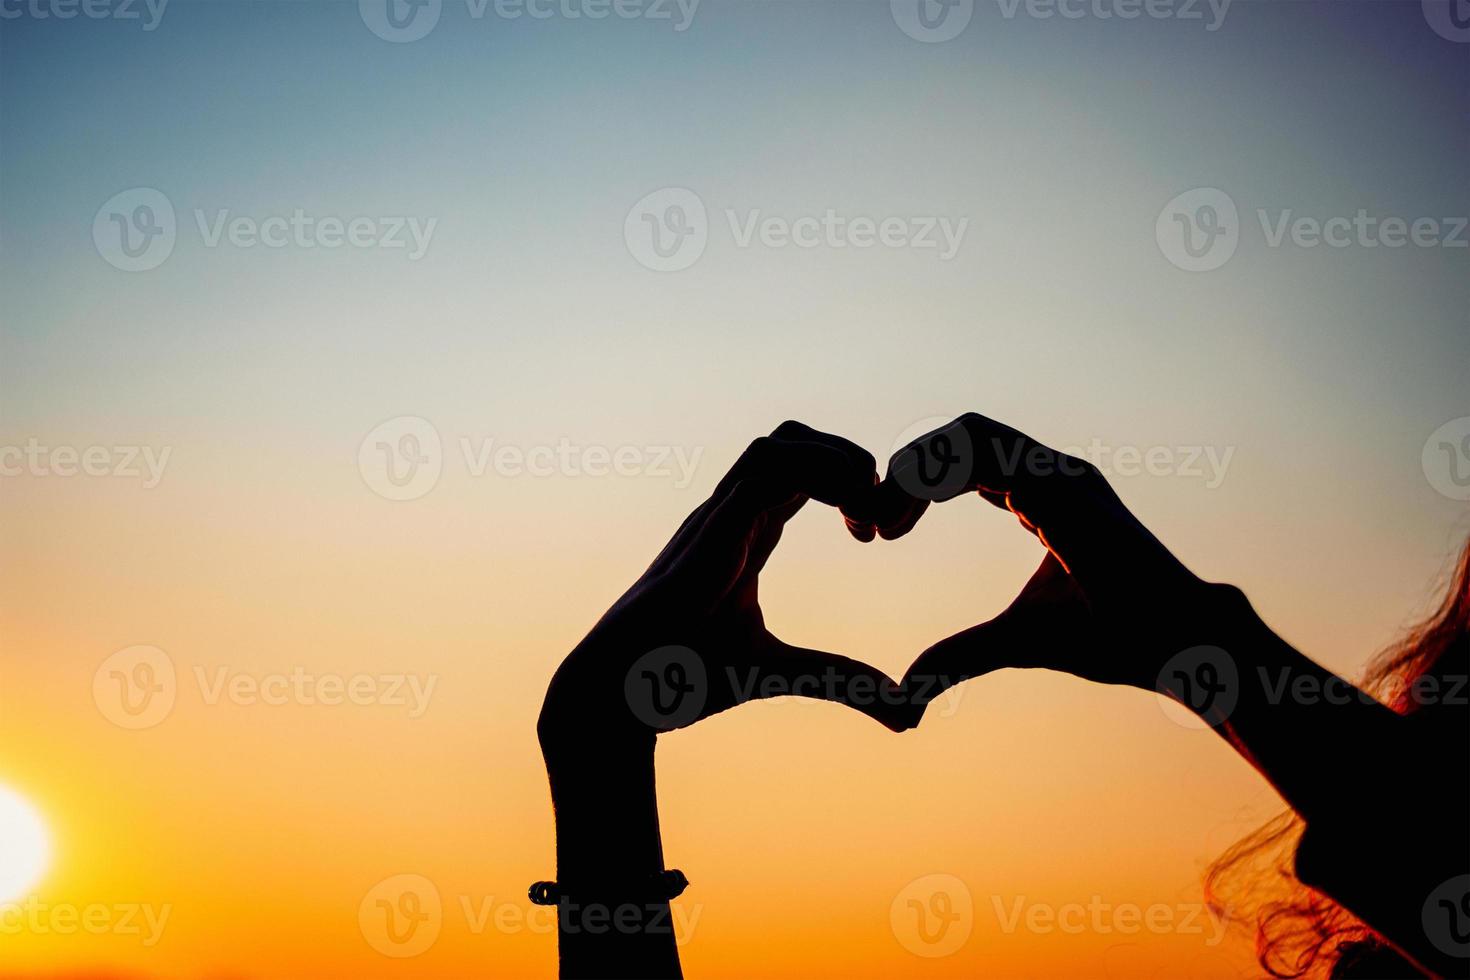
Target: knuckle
[
  {"x": 759, "y": 449},
  {"x": 1083, "y": 469}
]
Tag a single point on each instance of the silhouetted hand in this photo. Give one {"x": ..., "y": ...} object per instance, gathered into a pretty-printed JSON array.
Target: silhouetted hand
[
  {"x": 688, "y": 639},
  {"x": 1108, "y": 603},
  {"x": 1111, "y": 604}
]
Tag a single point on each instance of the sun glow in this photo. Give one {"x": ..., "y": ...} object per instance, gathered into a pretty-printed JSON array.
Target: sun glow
[{"x": 24, "y": 846}]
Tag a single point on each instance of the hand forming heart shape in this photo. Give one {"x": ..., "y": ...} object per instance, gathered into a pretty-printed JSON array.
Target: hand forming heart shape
[{"x": 688, "y": 639}]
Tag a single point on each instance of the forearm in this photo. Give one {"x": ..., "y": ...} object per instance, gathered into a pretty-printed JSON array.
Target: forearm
[
  {"x": 607, "y": 847},
  {"x": 1307, "y": 730}
]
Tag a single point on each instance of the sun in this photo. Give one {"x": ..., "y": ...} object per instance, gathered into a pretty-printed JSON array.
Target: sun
[{"x": 24, "y": 846}]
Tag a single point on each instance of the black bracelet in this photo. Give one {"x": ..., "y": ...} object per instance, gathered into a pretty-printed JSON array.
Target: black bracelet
[{"x": 658, "y": 887}]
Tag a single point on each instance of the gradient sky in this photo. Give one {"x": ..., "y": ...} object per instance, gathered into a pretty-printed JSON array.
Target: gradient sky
[{"x": 530, "y": 320}]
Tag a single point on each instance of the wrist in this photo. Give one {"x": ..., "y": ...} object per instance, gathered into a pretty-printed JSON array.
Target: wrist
[{"x": 606, "y": 811}]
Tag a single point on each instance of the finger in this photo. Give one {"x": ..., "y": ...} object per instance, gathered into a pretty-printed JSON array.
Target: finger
[
  {"x": 967, "y": 654},
  {"x": 785, "y": 670},
  {"x": 1062, "y": 499},
  {"x": 683, "y": 536},
  {"x": 856, "y": 511},
  {"x": 768, "y": 534},
  {"x": 742, "y": 530},
  {"x": 778, "y": 472},
  {"x": 773, "y": 472},
  {"x": 901, "y": 521},
  {"x": 1047, "y": 625},
  {"x": 935, "y": 467},
  {"x": 895, "y": 509}
]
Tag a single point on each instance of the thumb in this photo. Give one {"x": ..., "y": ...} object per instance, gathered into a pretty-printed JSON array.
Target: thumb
[
  {"x": 1048, "y": 625},
  {"x": 967, "y": 654},
  {"x": 791, "y": 670}
]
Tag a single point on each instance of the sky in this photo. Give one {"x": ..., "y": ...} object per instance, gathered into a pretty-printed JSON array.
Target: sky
[{"x": 354, "y": 360}]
